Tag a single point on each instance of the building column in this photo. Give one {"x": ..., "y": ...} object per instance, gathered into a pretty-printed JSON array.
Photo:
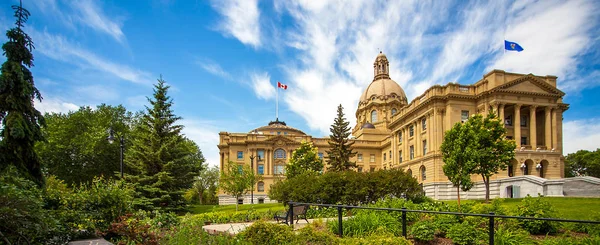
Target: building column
[
  {"x": 547, "y": 128},
  {"x": 532, "y": 127},
  {"x": 268, "y": 162},
  {"x": 501, "y": 113},
  {"x": 555, "y": 128},
  {"x": 517, "y": 125}
]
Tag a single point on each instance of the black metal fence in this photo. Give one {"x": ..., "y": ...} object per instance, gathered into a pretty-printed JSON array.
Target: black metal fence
[{"x": 491, "y": 216}]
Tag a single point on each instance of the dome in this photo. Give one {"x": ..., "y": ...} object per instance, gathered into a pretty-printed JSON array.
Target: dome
[
  {"x": 277, "y": 127},
  {"x": 368, "y": 125},
  {"x": 382, "y": 87}
]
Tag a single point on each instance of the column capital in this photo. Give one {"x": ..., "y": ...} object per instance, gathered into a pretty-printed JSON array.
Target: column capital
[
  {"x": 518, "y": 105},
  {"x": 533, "y": 107}
]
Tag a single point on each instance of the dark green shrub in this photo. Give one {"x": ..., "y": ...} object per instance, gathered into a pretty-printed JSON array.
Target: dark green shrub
[
  {"x": 378, "y": 238},
  {"x": 423, "y": 231},
  {"x": 538, "y": 208},
  {"x": 506, "y": 236},
  {"x": 443, "y": 222},
  {"x": 316, "y": 233},
  {"x": 570, "y": 241},
  {"x": 366, "y": 222},
  {"x": 189, "y": 231},
  {"x": 131, "y": 230},
  {"x": 465, "y": 234},
  {"x": 267, "y": 233}
]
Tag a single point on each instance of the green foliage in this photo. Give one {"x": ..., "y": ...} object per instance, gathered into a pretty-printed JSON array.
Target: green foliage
[
  {"x": 305, "y": 159},
  {"x": 583, "y": 162},
  {"x": 366, "y": 222},
  {"x": 466, "y": 234},
  {"x": 316, "y": 233},
  {"x": 130, "y": 229},
  {"x": 190, "y": 231},
  {"x": 241, "y": 216},
  {"x": 161, "y": 161},
  {"x": 348, "y": 187},
  {"x": 443, "y": 223},
  {"x": 377, "y": 238},
  {"x": 237, "y": 180},
  {"x": 570, "y": 240},
  {"x": 21, "y": 122},
  {"x": 506, "y": 236},
  {"x": 423, "y": 231},
  {"x": 340, "y": 147},
  {"x": 206, "y": 184},
  {"x": 76, "y": 149},
  {"x": 537, "y": 208},
  {"x": 267, "y": 233},
  {"x": 458, "y": 153}
]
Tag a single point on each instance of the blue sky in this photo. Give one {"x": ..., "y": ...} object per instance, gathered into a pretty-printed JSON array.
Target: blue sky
[{"x": 223, "y": 57}]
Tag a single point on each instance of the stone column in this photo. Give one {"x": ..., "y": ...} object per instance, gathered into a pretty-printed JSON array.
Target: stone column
[
  {"x": 268, "y": 162},
  {"x": 547, "y": 128},
  {"x": 501, "y": 113},
  {"x": 517, "y": 125},
  {"x": 555, "y": 128},
  {"x": 532, "y": 127}
]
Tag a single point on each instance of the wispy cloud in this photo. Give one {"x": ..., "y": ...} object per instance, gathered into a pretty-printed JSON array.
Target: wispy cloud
[
  {"x": 581, "y": 135},
  {"x": 261, "y": 84},
  {"x": 93, "y": 16},
  {"x": 206, "y": 135},
  {"x": 240, "y": 20},
  {"x": 55, "y": 105},
  {"x": 213, "y": 68}
]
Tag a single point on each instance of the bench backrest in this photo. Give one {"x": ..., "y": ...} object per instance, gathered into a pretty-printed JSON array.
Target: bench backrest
[{"x": 300, "y": 210}]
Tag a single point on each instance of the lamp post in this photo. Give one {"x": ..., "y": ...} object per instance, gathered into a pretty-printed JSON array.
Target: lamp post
[
  {"x": 111, "y": 139},
  {"x": 252, "y": 167}
]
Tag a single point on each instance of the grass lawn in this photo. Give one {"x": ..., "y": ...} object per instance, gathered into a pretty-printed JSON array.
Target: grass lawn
[
  {"x": 566, "y": 207},
  {"x": 198, "y": 209}
]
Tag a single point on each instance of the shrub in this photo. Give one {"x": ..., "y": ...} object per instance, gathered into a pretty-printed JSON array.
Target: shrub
[
  {"x": 130, "y": 229},
  {"x": 507, "y": 236},
  {"x": 366, "y": 222},
  {"x": 571, "y": 241},
  {"x": 316, "y": 233},
  {"x": 443, "y": 222},
  {"x": 378, "y": 238},
  {"x": 189, "y": 231},
  {"x": 538, "y": 208},
  {"x": 267, "y": 233},
  {"x": 465, "y": 234},
  {"x": 423, "y": 231}
]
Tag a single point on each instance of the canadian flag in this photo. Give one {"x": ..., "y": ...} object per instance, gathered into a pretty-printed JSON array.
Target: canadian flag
[{"x": 281, "y": 85}]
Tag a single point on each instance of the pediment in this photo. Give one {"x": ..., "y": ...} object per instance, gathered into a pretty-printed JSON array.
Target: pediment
[
  {"x": 529, "y": 85},
  {"x": 280, "y": 140}
]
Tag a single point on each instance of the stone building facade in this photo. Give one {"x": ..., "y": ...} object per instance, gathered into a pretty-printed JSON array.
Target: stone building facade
[{"x": 392, "y": 133}]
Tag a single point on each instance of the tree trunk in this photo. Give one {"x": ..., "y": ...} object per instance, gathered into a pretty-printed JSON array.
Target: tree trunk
[
  {"x": 486, "y": 181},
  {"x": 236, "y": 203},
  {"x": 200, "y": 196},
  {"x": 458, "y": 196}
]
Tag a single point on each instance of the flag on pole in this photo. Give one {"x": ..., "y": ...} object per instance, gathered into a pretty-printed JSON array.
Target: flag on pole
[
  {"x": 281, "y": 85},
  {"x": 512, "y": 46}
]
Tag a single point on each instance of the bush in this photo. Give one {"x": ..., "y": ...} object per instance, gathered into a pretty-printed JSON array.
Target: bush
[
  {"x": 378, "y": 238},
  {"x": 267, "y": 233},
  {"x": 189, "y": 231},
  {"x": 130, "y": 229},
  {"x": 465, "y": 234},
  {"x": 366, "y": 222},
  {"x": 443, "y": 222},
  {"x": 538, "y": 208},
  {"x": 316, "y": 233},
  {"x": 507, "y": 236},
  {"x": 423, "y": 231},
  {"x": 570, "y": 241}
]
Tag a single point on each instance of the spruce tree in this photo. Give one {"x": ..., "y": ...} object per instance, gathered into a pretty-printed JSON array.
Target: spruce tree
[
  {"x": 161, "y": 162},
  {"x": 340, "y": 146},
  {"x": 20, "y": 121}
]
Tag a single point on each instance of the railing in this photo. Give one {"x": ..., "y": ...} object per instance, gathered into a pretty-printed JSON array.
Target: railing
[{"x": 491, "y": 216}]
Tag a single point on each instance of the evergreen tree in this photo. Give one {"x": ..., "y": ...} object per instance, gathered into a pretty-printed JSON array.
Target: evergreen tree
[
  {"x": 161, "y": 162},
  {"x": 19, "y": 119},
  {"x": 340, "y": 147}
]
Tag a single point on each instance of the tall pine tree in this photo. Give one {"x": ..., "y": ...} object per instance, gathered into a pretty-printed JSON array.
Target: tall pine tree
[
  {"x": 20, "y": 121},
  {"x": 340, "y": 147},
  {"x": 161, "y": 161}
]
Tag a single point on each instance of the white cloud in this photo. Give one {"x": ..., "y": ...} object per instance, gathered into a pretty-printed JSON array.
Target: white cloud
[
  {"x": 261, "y": 84},
  {"x": 206, "y": 136},
  {"x": 213, "y": 68},
  {"x": 581, "y": 135},
  {"x": 59, "y": 48},
  {"x": 240, "y": 20},
  {"x": 54, "y": 105},
  {"x": 93, "y": 16}
]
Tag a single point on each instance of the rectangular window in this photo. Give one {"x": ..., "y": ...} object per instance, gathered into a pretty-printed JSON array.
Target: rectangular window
[
  {"x": 372, "y": 169},
  {"x": 412, "y": 152},
  {"x": 400, "y": 154},
  {"x": 279, "y": 169},
  {"x": 411, "y": 131},
  {"x": 523, "y": 121},
  {"x": 424, "y": 147},
  {"x": 359, "y": 156},
  {"x": 261, "y": 154},
  {"x": 372, "y": 158},
  {"x": 384, "y": 156},
  {"x": 240, "y": 155},
  {"x": 360, "y": 169},
  {"x": 400, "y": 137},
  {"x": 390, "y": 155},
  {"x": 523, "y": 140},
  {"x": 261, "y": 169},
  {"x": 321, "y": 155},
  {"x": 424, "y": 124},
  {"x": 464, "y": 116}
]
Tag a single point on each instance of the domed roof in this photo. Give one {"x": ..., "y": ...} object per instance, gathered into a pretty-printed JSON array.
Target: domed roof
[
  {"x": 368, "y": 125},
  {"x": 278, "y": 126},
  {"x": 382, "y": 84}
]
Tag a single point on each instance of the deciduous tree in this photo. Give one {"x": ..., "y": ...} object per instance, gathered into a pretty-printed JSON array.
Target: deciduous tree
[
  {"x": 583, "y": 163},
  {"x": 305, "y": 159},
  {"x": 208, "y": 178},
  {"x": 236, "y": 180},
  {"x": 459, "y": 156},
  {"x": 340, "y": 146}
]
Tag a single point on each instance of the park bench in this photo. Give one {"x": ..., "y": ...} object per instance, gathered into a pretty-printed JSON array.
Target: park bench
[{"x": 298, "y": 211}]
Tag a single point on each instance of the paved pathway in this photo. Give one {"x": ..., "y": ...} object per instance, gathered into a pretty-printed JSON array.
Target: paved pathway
[
  {"x": 96, "y": 241},
  {"x": 234, "y": 228}
]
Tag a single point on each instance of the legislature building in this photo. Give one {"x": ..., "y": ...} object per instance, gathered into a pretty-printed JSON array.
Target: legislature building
[{"x": 392, "y": 133}]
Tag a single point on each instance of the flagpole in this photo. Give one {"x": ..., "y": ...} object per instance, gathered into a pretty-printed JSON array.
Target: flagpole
[{"x": 277, "y": 103}]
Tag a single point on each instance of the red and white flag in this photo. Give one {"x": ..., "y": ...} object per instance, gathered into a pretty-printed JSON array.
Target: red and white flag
[{"x": 281, "y": 85}]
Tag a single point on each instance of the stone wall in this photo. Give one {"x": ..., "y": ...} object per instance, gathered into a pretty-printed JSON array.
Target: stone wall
[
  {"x": 227, "y": 199},
  {"x": 582, "y": 187}
]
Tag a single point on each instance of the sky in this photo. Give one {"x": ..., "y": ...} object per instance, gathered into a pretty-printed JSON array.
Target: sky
[{"x": 223, "y": 58}]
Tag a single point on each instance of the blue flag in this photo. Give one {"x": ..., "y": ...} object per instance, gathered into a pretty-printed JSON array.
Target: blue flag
[{"x": 512, "y": 46}]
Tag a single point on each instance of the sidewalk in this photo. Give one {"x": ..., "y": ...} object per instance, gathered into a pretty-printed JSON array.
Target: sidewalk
[
  {"x": 96, "y": 241},
  {"x": 234, "y": 228}
]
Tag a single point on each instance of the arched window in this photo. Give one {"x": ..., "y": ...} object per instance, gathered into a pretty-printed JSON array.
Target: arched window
[
  {"x": 373, "y": 116},
  {"x": 423, "y": 173},
  {"x": 279, "y": 154},
  {"x": 409, "y": 172},
  {"x": 394, "y": 111},
  {"x": 261, "y": 186}
]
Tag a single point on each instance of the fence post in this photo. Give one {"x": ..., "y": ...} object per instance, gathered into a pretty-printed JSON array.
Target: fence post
[
  {"x": 491, "y": 227},
  {"x": 291, "y": 212},
  {"x": 404, "y": 222},
  {"x": 340, "y": 230}
]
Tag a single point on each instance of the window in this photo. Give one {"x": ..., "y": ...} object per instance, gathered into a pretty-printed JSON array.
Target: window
[
  {"x": 409, "y": 172},
  {"x": 373, "y": 116},
  {"x": 464, "y": 116},
  {"x": 372, "y": 169},
  {"x": 240, "y": 169},
  {"x": 411, "y": 131},
  {"x": 240, "y": 201},
  {"x": 261, "y": 169},
  {"x": 278, "y": 169},
  {"x": 412, "y": 152},
  {"x": 394, "y": 111},
  {"x": 359, "y": 156},
  {"x": 261, "y": 154},
  {"x": 523, "y": 121},
  {"x": 261, "y": 187},
  {"x": 278, "y": 133},
  {"x": 360, "y": 169},
  {"x": 523, "y": 140},
  {"x": 400, "y": 137},
  {"x": 511, "y": 171},
  {"x": 508, "y": 121},
  {"x": 384, "y": 156},
  {"x": 400, "y": 154},
  {"x": 284, "y": 133},
  {"x": 240, "y": 155},
  {"x": 390, "y": 155},
  {"x": 424, "y": 147},
  {"x": 423, "y": 173},
  {"x": 372, "y": 158},
  {"x": 321, "y": 155},
  {"x": 373, "y": 98},
  {"x": 279, "y": 154},
  {"x": 424, "y": 124},
  {"x": 509, "y": 137},
  {"x": 261, "y": 200}
]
